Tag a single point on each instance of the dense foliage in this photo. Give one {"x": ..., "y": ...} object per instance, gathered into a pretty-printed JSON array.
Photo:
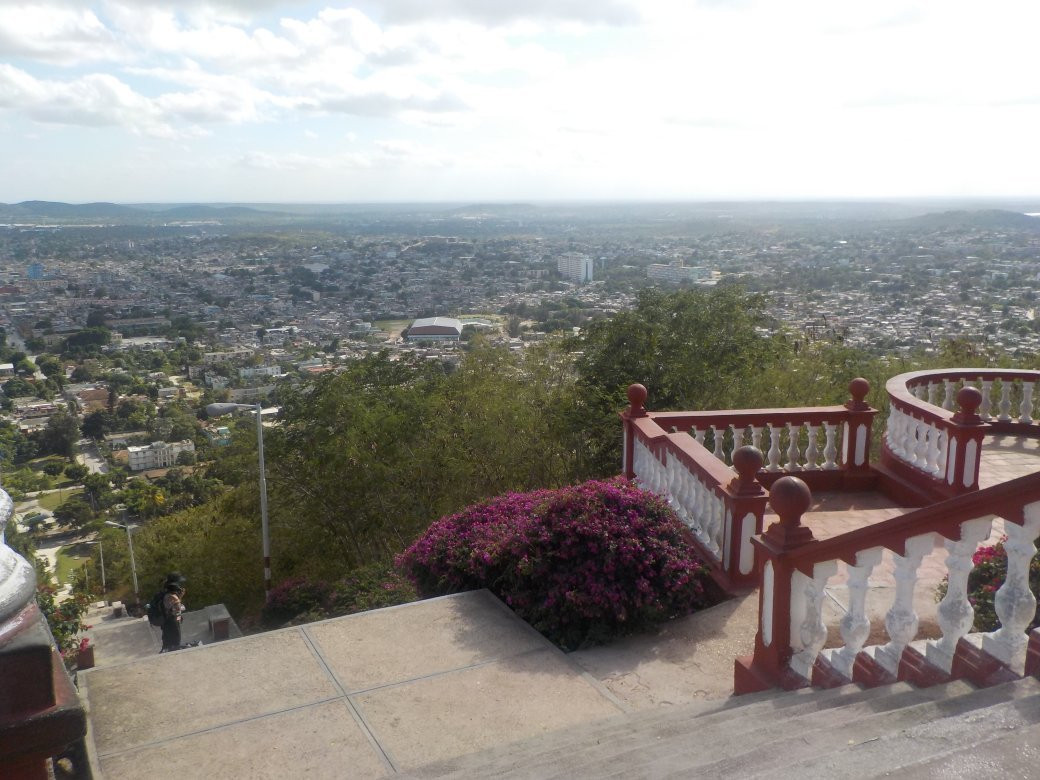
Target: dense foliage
[{"x": 581, "y": 564}]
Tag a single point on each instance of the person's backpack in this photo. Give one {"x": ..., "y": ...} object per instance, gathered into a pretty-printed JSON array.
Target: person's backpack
[{"x": 156, "y": 610}]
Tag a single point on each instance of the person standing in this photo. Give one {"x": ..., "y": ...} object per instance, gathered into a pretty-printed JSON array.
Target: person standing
[{"x": 173, "y": 608}]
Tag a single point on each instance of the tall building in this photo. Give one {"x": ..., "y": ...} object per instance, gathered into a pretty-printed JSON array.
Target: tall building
[
  {"x": 675, "y": 272},
  {"x": 575, "y": 266}
]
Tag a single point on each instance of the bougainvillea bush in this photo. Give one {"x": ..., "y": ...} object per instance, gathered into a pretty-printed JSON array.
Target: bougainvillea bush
[
  {"x": 988, "y": 574},
  {"x": 581, "y": 564}
]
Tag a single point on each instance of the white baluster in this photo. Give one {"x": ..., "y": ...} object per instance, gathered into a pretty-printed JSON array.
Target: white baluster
[
  {"x": 1025, "y": 411},
  {"x": 811, "y": 452},
  {"x": 1015, "y": 603},
  {"x": 921, "y": 450},
  {"x": 830, "y": 449},
  {"x": 944, "y": 452},
  {"x": 890, "y": 428},
  {"x": 718, "y": 518},
  {"x": 717, "y": 437},
  {"x": 756, "y": 437},
  {"x": 920, "y": 391},
  {"x": 792, "y": 448},
  {"x": 855, "y": 626},
  {"x": 774, "y": 448},
  {"x": 984, "y": 407},
  {"x": 734, "y": 437},
  {"x": 933, "y": 451},
  {"x": 1005, "y": 401},
  {"x": 955, "y": 612},
  {"x": 901, "y": 619},
  {"x": 699, "y": 436},
  {"x": 933, "y": 388},
  {"x": 808, "y": 632},
  {"x": 948, "y": 387}
]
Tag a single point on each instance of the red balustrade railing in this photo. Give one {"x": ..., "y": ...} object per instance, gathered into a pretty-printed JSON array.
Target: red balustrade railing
[
  {"x": 711, "y": 466},
  {"x": 938, "y": 419},
  {"x": 795, "y": 568}
]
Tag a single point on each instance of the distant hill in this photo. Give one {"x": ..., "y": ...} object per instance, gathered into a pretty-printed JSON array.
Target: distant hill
[
  {"x": 213, "y": 212},
  {"x": 56, "y": 210},
  {"x": 989, "y": 219}
]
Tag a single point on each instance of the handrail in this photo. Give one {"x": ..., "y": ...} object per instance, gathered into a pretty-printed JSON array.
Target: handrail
[{"x": 1005, "y": 500}]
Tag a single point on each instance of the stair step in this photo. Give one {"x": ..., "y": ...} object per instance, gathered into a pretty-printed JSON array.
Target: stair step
[
  {"x": 965, "y": 733},
  {"x": 729, "y": 724},
  {"x": 1016, "y": 755},
  {"x": 643, "y": 727},
  {"x": 814, "y": 741},
  {"x": 738, "y": 752}
]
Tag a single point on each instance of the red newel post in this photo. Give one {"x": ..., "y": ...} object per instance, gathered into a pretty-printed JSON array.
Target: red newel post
[
  {"x": 965, "y": 448},
  {"x": 857, "y": 435},
  {"x": 636, "y": 399},
  {"x": 746, "y": 502},
  {"x": 770, "y": 665}
]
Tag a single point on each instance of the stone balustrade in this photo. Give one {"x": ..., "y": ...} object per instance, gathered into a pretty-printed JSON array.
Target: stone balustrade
[
  {"x": 937, "y": 420},
  {"x": 40, "y": 713},
  {"x": 796, "y": 568},
  {"x": 711, "y": 466}
]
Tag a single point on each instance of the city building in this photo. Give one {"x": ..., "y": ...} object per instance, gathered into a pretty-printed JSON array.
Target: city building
[
  {"x": 676, "y": 272},
  {"x": 157, "y": 455},
  {"x": 575, "y": 266},
  {"x": 435, "y": 329}
]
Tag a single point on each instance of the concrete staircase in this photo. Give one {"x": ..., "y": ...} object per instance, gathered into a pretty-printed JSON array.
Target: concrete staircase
[{"x": 952, "y": 730}]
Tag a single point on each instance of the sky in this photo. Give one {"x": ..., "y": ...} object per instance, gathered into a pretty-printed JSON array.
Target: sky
[{"x": 260, "y": 101}]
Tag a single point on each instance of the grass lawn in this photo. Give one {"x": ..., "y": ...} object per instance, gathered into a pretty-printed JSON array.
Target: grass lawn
[
  {"x": 52, "y": 501},
  {"x": 71, "y": 558}
]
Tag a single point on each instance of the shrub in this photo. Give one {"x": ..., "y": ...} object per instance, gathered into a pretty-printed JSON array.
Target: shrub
[
  {"x": 582, "y": 564},
  {"x": 299, "y": 600},
  {"x": 370, "y": 587},
  {"x": 293, "y": 597},
  {"x": 988, "y": 574}
]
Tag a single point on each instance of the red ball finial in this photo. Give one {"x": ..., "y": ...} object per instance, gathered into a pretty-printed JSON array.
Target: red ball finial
[
  {"x": 968, "y": 399},
  {"x": 636, "y": 399},
  {"x": 747, "y": 461},
  {"x": 789, "y": 497},
  {"x": 858, "y": 389}
]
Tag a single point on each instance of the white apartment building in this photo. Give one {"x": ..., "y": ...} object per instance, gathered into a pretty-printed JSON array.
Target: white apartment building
[
  {"x": 575, "y": 266},
  {"x": 676, "y": 272},
  {"x": 158, "y": 454}
]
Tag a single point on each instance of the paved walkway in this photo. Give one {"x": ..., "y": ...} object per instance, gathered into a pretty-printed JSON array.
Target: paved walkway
[{"x": 361, "y": 696}]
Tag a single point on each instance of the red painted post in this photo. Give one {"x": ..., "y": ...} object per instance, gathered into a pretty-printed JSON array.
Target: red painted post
[
  {"x": 636, "y": 398},
  {"x": 770, "y": 665},
  {"x": 965, "y": 448},
  {"x": 857, "y": 436},
  {"x": 746, "y": 503}
]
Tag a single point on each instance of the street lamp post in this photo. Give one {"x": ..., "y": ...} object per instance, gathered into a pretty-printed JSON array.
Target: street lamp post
[
  {"x": 130, "y": 544},
  {"x": 104, "y": 585},
  {"x": 217, "y": 410}
]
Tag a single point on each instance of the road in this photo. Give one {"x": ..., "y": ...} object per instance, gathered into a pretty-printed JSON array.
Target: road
[{"x": 89, "y": 456}]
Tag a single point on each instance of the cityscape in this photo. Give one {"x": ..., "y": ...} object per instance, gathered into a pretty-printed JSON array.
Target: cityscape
[{"x": 531, "y": 389}]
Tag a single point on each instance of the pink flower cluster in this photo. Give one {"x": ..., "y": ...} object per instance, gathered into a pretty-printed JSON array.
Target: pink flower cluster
[{"x": 582, "y": 564}]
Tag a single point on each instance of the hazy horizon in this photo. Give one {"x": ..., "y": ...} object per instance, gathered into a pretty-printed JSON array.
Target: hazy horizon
[{"x": 560, "y": 101}]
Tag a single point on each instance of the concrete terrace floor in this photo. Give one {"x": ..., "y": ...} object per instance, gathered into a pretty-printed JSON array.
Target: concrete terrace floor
[
  {"x": 360, "y": 696},
  {"x": 387, "y": 691}
]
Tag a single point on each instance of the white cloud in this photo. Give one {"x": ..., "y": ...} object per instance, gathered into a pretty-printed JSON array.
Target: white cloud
[
  {"x": 497, "y": 12},
  {"x": 54, "y": 34},
  {"x": 95, "y": 100}
]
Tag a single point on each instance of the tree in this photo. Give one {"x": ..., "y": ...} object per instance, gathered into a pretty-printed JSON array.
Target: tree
[
  {"x": 75, "y": 512},
  {"x": 692, "y": 349},
  {"x": 60, "y": 435},
  {"x": 76, "y": 472},
  {"x": 53, "y": 468}
]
